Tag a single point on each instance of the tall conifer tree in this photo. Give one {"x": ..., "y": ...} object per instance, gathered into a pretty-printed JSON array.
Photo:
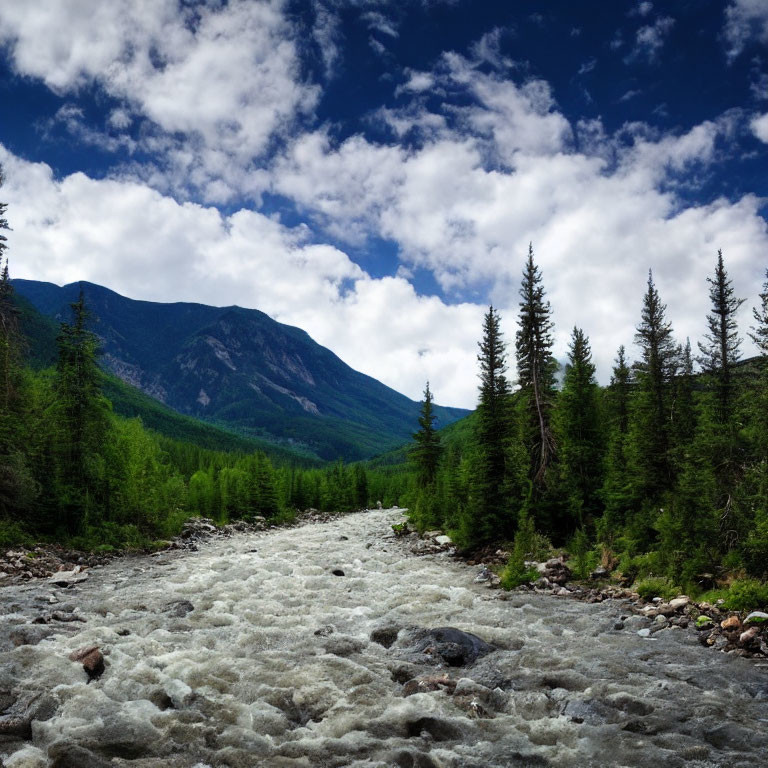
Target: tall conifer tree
[
  {"x": 616, "y": 491},
  {"x": 82, "y": 417},
  {"x": 426, "y": 453},
  {"x": 655, "y": 372},
  {"x": 487, "y": 516},
  {"x": 580, "y": 438},
  {"x": 536, "y": 370},
  {"x": 721, "y": 351}
]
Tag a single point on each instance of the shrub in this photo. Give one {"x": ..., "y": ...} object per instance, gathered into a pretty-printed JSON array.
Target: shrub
[
  {"x": 654, "y": 586},
  {"x": 515, "y": 573},
  {"x": 747, "y": 595}
]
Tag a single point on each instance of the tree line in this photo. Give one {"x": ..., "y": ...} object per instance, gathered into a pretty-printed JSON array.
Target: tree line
[{"x": 664, "y": 471}]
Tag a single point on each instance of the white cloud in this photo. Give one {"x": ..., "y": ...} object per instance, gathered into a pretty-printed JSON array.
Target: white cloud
[
  {"x": 744, "y": 20},
  {"x": 417, "y": 82},
  {"x": 225, "y": 77},
  {"x": 760, "y": 128},
  {"x": 162, "y": 250},
  {"x": 650, "y": 39},
  {"x": 487, "y": 179}
]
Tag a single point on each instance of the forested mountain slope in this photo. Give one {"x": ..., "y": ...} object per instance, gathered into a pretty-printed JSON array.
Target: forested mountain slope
[{"x": 242, "y": 370}]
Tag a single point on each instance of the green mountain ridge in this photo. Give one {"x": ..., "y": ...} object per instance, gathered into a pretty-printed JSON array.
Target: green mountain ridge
[{"x": 242, "y": 371}]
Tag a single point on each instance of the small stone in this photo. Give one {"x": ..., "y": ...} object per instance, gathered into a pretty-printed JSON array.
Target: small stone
[
  {"x": 757, "y": 617},
  {"x": 644, "y": 632},
  {"x": 599, "y": 573},
  {"x": 92, "y": 660},
  {"x": 732, "y": 622},
  {"x": 748, "y": 637},
  {"x": 337, "y": 572},
  {"x": 429, "y": 683},
  {"x": 679, "y": 603}
]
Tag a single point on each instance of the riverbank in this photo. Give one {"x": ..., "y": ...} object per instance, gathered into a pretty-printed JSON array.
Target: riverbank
[
  {"x": 739, "y": 633},
  {"x": 48, "y": 561}
]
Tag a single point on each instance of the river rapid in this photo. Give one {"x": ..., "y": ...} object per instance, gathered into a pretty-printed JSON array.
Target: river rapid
[{"x": 253, "y": 652}]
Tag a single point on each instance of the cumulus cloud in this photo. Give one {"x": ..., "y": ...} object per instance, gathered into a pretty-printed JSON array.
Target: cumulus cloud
[
  {"x": 760, "y": 128},
  {"x": 745, "y": 20},
  {"x": 509, "y": 169},
  {"x": 162, "y": 250},
  {"x": 226, "y": 77}
]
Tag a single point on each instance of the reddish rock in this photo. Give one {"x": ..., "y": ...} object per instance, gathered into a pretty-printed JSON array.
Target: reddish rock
[
  {"x": 732, "y": 622},
  {"x": 92, "y": 660}
]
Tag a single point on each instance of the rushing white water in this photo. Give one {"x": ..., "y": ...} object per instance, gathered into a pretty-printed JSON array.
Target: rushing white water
[{"x": 273, "y": 664}]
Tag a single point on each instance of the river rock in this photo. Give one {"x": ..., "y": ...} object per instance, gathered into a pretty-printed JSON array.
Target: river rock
[
  {"x": 732, "y": 622},
  {"x": 68, "y": 578},
  {"x": 179, "y": 608},
  {"x": 29, "y": 634},
  {"x": 678, "y": 603},
  {"x": 92, "y": 660},
  {"x": 599, "y": 573},
  {"x": 757, "y": 617},
  {"x": 484, "y": 575},
  {"x": 443, "y": 540},
  {"x": 557, "y": 571},
  {"x": 749, "y": 637},
  {"x": 446, "y": 645},
  {"x": 71, "y": 756},
  {"x": 427, "y": 683}
]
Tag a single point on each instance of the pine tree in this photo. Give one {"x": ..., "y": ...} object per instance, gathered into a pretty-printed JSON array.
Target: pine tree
[
  {"x": 579, "y": 431},
  {"x": 425, "y": 455},
  {"x": 683, "y": 410},
  {"x": 721, "y": 351},
  {"x": 759, "y": 332},
  {"x": 655, "y": 372},
  {"x": 9, "y": 341},
  {"x": 536, "y": 370},
  {"x": 486, "y": 516},
  {"x": 83, "y": 421},
  {"x": 616, "y": 491},
  {"x": 618, "y": 391}
]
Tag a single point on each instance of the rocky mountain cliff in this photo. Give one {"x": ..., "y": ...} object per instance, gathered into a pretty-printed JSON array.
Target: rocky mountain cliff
[{"x": 239, "y": 368}]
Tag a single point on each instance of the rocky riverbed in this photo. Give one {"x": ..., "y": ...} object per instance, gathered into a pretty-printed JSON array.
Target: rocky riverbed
[{"x": 333, "y": 644}]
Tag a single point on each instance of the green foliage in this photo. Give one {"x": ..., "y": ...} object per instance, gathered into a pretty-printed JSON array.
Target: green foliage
[
  {"x": 536, "y": 368},
  {"x": 486, "y": 513},
  {"x": 580, "y": 436},
  {"x": 747, "y": 595},
  {"x": 426, "y": 451},
  {"x": 400, "y": 529},
  {"x": 655, "y": 586},
  {"x": 583, "y": 559},
  {"x": 515, "y": 572}
]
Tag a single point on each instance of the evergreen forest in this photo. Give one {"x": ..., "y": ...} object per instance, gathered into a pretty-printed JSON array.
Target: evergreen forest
[{"x": 662, "y": 474}]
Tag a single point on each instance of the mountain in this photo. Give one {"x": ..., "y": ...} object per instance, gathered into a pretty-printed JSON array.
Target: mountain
[{"x": 239, "y": 369}]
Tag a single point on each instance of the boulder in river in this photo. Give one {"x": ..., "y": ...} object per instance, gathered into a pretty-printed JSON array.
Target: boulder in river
[
  {"x": 68, "y": 578},
  {"x": 446, "y": 645}
]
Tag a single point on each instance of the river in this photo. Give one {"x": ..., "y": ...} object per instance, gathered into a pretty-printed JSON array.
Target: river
[{"x": 253, "y": 652}]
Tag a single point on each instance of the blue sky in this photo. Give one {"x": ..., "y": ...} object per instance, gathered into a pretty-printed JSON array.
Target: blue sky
[{"x": 373, "y": 171}]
